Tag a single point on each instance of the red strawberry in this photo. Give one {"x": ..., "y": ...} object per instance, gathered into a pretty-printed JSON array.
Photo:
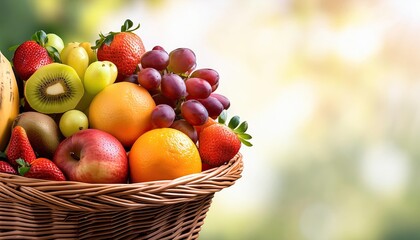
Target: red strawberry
[
  {"x": 19, "y": 147},
  {"x": 219, "y": 143},
  {"x": 40, "y": 168},
  {"x": 32, "y": 54},
  {"x": 5, "y": 167},
  {"x": 123, "y": 48}
]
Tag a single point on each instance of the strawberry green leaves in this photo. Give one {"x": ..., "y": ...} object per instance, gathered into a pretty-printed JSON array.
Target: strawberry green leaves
[
  {"x": 127, "y": 25},
  {"x": 107, "y": 39},
  {"x": 24, "y": 166},
  {"x": 41, "y": 38},
  {"x": 237, "y": 127}
]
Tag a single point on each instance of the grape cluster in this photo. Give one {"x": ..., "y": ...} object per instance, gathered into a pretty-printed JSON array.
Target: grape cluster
[{"x": 185, "y": 97}]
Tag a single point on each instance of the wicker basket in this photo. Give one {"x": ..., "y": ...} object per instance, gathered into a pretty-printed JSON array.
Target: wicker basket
[{"x": 39, "y": 209}]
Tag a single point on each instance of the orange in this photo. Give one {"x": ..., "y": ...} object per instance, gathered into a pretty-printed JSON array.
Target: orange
[
  {"x": 163, "y": 154},
  {"x": 122, "y": 109}
]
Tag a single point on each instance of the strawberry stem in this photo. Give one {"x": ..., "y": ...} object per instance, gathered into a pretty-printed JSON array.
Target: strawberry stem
[
  {"x": 127, "y": 25},
  {"x": 222, "y": 117},
  {"x": 243, "y": 127},
  {"x": 24, "y": 166},
  {"x": 54, "y": 54},
  {"x": 237, "y": 127},
  {"x": 234, "y": 122},
  {"x": 107, "y": 39},
  {"x": 40, "y": 37}
]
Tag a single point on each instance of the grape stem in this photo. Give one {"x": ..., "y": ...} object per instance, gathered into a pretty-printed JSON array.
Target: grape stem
[{"x": 178, "y": 108}]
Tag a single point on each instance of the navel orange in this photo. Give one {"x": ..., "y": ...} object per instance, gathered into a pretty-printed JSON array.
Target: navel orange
[
  {"x": 163, "y": 154},
  {"x": 122, "y": 109}
]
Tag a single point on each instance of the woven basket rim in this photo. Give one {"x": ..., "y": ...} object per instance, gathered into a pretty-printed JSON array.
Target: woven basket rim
[{"x": 79, "y": 196}]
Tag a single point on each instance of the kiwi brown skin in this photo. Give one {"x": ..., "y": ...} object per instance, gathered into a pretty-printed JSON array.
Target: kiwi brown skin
[{"x": 43, "y": 132}]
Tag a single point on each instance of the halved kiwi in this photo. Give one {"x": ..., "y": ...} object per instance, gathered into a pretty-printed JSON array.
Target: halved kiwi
[{"x": 54, "y": 88}]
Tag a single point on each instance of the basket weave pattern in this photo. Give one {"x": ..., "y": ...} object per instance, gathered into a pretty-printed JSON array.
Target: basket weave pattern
[{"x": 175, "y": 209}]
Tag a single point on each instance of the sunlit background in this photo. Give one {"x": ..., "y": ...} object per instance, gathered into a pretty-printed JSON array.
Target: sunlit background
[{"x": 331, "y": 91}]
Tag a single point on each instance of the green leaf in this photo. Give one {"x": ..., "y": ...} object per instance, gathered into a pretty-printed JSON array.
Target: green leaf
[
  {"x": 24, "y": 166},
  {"x": 23, "y": 170},
  {"x": 108, "y": 39},
  {"x": 13, "y": 48},
  {"x": 246, "y": 143},
  {"x": 99, "y": 41},
  {"x": 244, "y": 136},
  {"x": 222, "y": 117},
  {"x": 40, "y": 37},
  {"x": 127, "y": 25},
  {"x": 242, "y": 128},
  {"x": 234, "y": 122},
  {"x": 54, "y": 54},
  {"x": 21, "y": 162}
]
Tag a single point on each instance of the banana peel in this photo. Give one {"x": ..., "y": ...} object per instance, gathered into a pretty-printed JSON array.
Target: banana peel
[{"x": 9, "y": 100}]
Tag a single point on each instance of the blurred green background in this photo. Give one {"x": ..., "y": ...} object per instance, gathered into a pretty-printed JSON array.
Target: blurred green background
[{"x": 331, "y": 90}]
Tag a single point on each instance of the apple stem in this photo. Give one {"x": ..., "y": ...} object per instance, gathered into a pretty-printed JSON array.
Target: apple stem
[{"x": 74, "y": 156}]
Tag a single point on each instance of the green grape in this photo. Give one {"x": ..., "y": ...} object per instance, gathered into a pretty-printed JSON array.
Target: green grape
[
  {"x": 114, "y": 71},
  {"x": 77, "y": 58},
  {"x": 97, "y": 77},
  {"x": 91, "y": 53},
  {"x": 55, "y": 41},
  {"x": 73, "y": 121},
  {"x": 64, "y": 54}
]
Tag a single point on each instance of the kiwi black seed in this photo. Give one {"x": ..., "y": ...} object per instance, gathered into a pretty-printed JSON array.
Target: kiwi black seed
[{"x": 54, "y": 88}]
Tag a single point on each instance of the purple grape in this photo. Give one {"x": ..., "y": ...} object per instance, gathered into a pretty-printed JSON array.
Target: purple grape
[
  {"x": 208, "y": 74},
  {"x": 224, "y": 100},
  {"x": 163, "y": 116},
  {"x": 197, "y": 88},
  {"x": 133, "y": 78},
  {"x": 154, "y": 91},
  {"x": 157, "y": 47},
  {"x": 160, "y": 99},
  {"x": 149, "y": 78},
  {"x": 194, "y": 112},
  {"x": 173, "y": 87},
  {"x": 181, "y": 60},
  {"x": 213, "y": 105},
  {"x": 157, "y": 59},
  {"x": 183, "y": 126}
]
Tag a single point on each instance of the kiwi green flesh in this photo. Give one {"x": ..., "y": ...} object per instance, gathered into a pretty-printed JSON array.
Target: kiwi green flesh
[{"x": 54, "y": 88}]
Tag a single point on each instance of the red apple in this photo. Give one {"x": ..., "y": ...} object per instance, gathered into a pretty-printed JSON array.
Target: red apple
[{"x": 92, "y": 156}]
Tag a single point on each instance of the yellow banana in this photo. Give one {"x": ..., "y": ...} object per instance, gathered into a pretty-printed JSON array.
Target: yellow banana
[{"x": 9, "y": 100}]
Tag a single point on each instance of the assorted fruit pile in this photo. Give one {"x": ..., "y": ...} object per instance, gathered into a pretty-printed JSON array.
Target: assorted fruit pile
[{"x": 112, "y": 112}]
